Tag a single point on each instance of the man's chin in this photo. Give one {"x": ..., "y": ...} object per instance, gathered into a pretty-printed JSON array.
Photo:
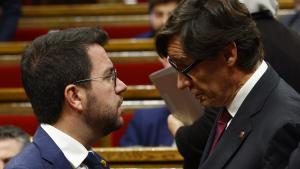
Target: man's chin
[{"x": 117, "y": 125}]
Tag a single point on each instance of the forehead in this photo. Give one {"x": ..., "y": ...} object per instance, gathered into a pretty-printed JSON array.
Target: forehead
[
  {"x": 9, "y": 147},
  {"x": 99, "y": 58},
  {"x": 164, "y": 7}
]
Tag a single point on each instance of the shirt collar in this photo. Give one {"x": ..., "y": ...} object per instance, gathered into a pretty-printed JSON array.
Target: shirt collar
[
  {"x": 246, "y": 88},
  {"x": 74, "y": 151}
]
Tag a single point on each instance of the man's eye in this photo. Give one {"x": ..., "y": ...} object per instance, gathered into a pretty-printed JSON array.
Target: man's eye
[
  {"x": 158, "y": 14},
  {"x": 109, "y": 77}
]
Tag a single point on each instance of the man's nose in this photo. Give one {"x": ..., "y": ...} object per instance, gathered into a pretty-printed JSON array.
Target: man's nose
[{"x": 120, "y": 86}]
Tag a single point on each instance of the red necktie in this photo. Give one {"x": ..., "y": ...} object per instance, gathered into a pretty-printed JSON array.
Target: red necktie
[{"x": 223, "y": 119}]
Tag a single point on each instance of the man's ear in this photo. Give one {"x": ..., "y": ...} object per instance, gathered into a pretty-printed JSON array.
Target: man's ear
[
  {"x": 74, "y": 97},
  {"x": 230, "y": 54}
]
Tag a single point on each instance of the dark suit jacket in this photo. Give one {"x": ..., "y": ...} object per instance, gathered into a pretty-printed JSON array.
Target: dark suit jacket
[
  {"x": 292, "y": 21},
  {"x": 149, "y": 34},
  {"x": 282, "y": 48},
  {"x": 148, "y": 128},
  {"x": 191, "y": 140},
  {"x": 269, "y": 105},
  {"x": 284, "y": 149},
  {"x": 42, "y": 153},
  {"x": 294, "y": 162}
]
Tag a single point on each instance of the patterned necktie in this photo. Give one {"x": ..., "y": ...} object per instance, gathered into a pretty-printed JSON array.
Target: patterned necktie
[{"x": 223, "y": 119}]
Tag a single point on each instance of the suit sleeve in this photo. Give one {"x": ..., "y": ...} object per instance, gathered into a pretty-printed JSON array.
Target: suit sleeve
[
  {"x": 191, "y": 139},
  {"x": 294, "y": 161},
  {"x": 280, "y": 148},
  {"x": 131, "y": 136}
]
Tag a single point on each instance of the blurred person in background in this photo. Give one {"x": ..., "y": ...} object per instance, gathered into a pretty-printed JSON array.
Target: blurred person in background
[
  {"x": 292, "y": 20},
  {"x": 148, "y": 127},
  {"x": 159, "y": 12},
  {"x": 11, "y": 11},
  {"x": 171, "y": 48},
  {"x": 12, "y": 141}
]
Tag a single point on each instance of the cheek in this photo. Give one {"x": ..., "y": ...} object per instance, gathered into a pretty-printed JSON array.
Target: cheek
[
  {"x": 156, "y": 22},
  {"x": 212, "y": 83}
]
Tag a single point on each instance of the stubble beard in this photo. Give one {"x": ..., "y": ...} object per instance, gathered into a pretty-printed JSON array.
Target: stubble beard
[{"x": 101, "y": 118}]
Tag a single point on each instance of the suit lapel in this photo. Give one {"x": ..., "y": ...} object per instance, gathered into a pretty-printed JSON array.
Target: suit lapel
[
  {"x": 241, "y": 125},
  {"x": 210, "y": 140},
  {"x": 50, "y": 152}
]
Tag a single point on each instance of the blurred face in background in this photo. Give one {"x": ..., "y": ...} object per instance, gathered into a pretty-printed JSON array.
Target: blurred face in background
[
  {"x": 297, "y": 4},
  {"x": 9, "y": 148},
  {"x": 160, "y": 14}
]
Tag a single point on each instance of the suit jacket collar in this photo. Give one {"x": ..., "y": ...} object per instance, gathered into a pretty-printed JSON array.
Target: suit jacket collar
[
  {"x": 241, "y": 125},
  {"x": 50, "y": 151},
  {"x": 266, "y": 14}
]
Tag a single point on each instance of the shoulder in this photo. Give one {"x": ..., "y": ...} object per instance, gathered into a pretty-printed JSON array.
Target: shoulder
[
  {"x": 283, "y": 143},
  {"x": 286, "y": 19},
  {"x": 152, "y": 112},
  {"x": 294, "y": 161},
  {"x": 286, "y": 95},
  {"x": 28, "y": 158},
  {"x": 149, "y": 34}
]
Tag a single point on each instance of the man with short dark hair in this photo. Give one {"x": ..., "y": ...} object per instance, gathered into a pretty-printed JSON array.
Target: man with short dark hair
[
  {"x": 76, "y": 96},
  {"x": 12, "y": 141},
  {"x": 292, "y": 20},
  {"x": 217, "y": 50},
  {"x": 159, "y": 12}
]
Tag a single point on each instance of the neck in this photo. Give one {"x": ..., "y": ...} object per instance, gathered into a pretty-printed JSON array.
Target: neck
[
  {"x": 240, "y": 77},
  {"x": 78, "y": 130}
]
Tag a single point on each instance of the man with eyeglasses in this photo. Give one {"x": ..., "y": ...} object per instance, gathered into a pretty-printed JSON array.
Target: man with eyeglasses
[
  {"x": 216, "y": 49},
  {"x": 76, "y": 96}
]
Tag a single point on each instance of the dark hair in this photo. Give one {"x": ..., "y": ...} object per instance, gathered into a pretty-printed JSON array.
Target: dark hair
[
  {"x": 153, "y": 3},
  {"x": 52, "y": 62},
  {"x": 13, "y": 132},
  {"x": 205, "y": 27}
]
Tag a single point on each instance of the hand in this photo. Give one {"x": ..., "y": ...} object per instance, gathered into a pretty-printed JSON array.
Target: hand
[{"x": 174, "y": 124}]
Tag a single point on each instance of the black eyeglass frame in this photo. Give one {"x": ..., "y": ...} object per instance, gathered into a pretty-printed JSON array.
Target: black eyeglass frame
[
  {"x": 113, "y": 75},
  {"x": 187, "y": 69}
]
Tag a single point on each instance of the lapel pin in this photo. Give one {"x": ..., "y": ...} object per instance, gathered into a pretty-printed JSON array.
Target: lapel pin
[
  {"x": 242, "y": 135},
  {"x": 103, "y": 163}
]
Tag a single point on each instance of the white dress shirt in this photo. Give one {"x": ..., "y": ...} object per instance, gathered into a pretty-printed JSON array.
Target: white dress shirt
[
  {"x": 74, "y": 151},
  {"x": 245, "y": 90}
]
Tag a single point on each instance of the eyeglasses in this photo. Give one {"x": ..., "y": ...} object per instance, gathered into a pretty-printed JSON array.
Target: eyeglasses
[
  {"x": 185, "y": 70},
  {"x": 113, "y": 77}
]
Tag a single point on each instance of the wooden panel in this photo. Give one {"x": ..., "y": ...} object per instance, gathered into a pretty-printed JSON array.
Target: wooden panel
[
  {"x": 139, "y": 57},
  {"x": 63, "y": 16},
  {"x": 128, "y": 106},
  {"x": 132, "y": 93},
  {"x": 286, "y": 4},
  {"x": 13, "y": 48},
  {"x": 100, "y": 9},
  {"x": 142, "y": 157},
  {"x": 84, "y": 9},
  {"x": 63, "y": 22},
  {"x": 137, "y": 154}
]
